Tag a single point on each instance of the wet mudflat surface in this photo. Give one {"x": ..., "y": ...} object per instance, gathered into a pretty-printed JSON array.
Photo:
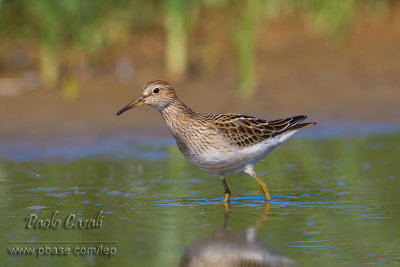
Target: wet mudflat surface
[{"x": 334, "y": 203}]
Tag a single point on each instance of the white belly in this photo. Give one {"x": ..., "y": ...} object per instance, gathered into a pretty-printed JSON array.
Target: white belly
[
  {"x": 231, "y": 159},
  {"x": 221, "y": 157}
]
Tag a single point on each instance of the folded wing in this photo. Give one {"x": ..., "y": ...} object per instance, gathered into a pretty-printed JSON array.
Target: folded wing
[{"x": 247, "y": 131}]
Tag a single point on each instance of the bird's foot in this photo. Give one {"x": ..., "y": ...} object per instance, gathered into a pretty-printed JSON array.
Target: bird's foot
[
  {"x": 264, "y": 188},
  {"x": 227, "y": 198}
]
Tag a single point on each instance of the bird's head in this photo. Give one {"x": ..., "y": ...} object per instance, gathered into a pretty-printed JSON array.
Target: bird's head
[{"x": 158, "y": 94}]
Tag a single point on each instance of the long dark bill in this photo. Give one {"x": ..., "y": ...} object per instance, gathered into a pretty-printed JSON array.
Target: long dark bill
[{"x": 135, "y": 103}]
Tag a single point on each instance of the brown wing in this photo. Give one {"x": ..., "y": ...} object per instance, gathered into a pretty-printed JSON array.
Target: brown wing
[{"x": 247, "y": 131}]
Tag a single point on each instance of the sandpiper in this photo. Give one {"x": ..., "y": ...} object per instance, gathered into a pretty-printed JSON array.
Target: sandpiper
[{"x": 218, "y": 143}]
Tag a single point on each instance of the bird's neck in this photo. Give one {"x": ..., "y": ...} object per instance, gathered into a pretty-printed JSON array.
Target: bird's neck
[{"x": 177, "y": 116}]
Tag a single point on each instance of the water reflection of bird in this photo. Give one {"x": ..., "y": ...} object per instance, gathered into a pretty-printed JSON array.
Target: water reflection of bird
[
  {"x": 219, "y": 143},
  {"x": 224, "y": 249}
]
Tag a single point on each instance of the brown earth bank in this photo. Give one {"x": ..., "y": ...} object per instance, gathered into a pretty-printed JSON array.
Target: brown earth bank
[{"x": 354, "y": 79}]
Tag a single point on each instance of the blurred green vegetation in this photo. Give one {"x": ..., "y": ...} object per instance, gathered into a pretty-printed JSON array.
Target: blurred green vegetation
[{"x": 71, "y": 32}]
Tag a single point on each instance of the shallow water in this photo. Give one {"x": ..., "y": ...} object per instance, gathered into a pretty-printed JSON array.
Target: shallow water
[{"x": 334, "y": 202}]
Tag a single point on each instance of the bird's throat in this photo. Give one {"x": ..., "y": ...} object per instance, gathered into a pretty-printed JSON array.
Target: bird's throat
[{"x": 178, "y": 117}]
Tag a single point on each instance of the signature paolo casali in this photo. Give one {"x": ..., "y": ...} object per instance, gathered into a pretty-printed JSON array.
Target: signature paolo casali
[{"x": 71, "y": 221}]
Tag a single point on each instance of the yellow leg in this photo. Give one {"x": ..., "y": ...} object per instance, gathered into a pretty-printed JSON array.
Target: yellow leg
[
  {"x": 227, "y": 195},
  {"x": 263, "y": 186}
]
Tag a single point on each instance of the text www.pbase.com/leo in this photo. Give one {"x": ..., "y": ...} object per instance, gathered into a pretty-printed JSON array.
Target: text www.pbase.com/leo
[{"x": 38, "y": 251}]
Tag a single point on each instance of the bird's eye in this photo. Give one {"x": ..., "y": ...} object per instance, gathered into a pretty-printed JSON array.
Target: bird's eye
[{"x": 156, "y": 90}]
